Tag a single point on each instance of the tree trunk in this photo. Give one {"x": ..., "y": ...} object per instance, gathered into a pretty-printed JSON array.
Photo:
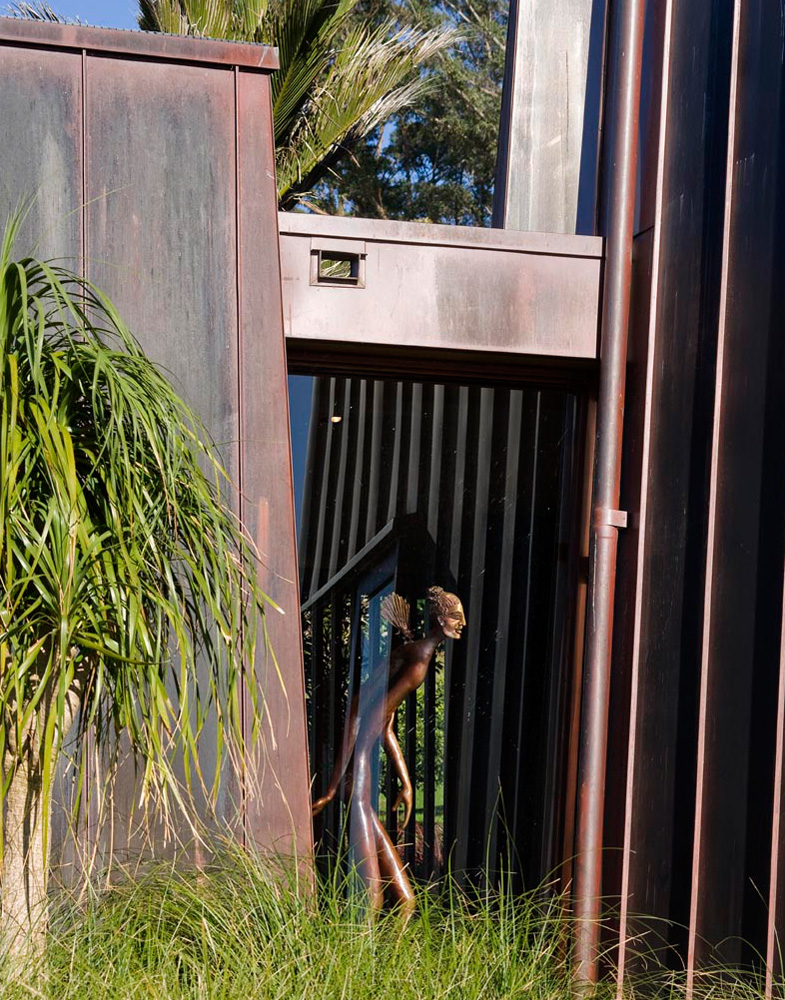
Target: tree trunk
[
  {"x": 25, "y": 869},
  {"x": 23, "y": 891}
]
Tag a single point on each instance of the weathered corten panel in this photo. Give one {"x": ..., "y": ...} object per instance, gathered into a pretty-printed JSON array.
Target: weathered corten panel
[
  {"x": 705, "y": 488},
  {"x": 280, "y": 818},
  {"x": 546, "y": 175},
  {"x": 158, "y": 180},
  {"x": 161, "y": 237},
  {"x": 659, "y": 611},
  {"x": 41, "y": 144},
  {"x": 41, "y": 154},
  {"x": 165, "y": 252},
  {"x": 534, "y": 295},
  {"x": 657, "y": 634},
  {"x": 743, "y": 592}
]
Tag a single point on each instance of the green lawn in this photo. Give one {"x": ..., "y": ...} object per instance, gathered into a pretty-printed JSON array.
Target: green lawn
[{"x": 438, "y": 810}]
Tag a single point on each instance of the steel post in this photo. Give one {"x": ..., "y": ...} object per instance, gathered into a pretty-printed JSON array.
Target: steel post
[{"x": 621, "y": 163}]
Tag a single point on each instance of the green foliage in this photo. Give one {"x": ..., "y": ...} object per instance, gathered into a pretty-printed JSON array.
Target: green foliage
[
  {"x": 240, "y": 929},
  {"x": 35, "y": 12},
  {"x": 341, "y": 76},
  {"x": 121, "y": 563},
  {"x": 438, "y": 733},
  {"x": 433, "y": 161}
]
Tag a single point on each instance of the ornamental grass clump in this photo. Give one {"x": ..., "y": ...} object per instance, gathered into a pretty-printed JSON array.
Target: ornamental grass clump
[
  {"x": 121, "y": 563},
  {"x": 245, "y": 927}
]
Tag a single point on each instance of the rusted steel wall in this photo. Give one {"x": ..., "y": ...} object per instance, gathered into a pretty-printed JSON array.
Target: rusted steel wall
[
  {"x": 549, "y": 142},
  {"x": 152, "y": 160},
  {"x": 659, "y": 612},
  {"x": 698, "y": 716},
  {"x": 457, "y": 288}
]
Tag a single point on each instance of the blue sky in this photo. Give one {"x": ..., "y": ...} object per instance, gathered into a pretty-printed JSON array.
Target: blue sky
[{"x": 102, "y": 13}]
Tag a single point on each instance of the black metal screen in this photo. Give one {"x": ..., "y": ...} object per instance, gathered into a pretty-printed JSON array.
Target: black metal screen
[{"x": 410, "y": 484}]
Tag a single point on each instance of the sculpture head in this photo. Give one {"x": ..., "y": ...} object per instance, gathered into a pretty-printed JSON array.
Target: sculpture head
[{"x": 447, "y": 609}]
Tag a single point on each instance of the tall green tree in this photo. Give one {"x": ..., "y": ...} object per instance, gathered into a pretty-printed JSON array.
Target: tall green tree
[
  {"x": 121, "y": 562},
  {"x": 341, "y": 76},
  {"x": 433, "y": 161}
]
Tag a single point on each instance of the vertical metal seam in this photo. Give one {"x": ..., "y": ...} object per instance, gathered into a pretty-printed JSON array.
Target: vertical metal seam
[
  {"x": 320, "y": 547},
  {"x": 84, "y": 164},
  {"x": 526, "y": 611},
  {"x": 713, "y": 491},
  {"x": 415, "y": 449},
  {"x": 337, "y": 515},
  {"x": 393, "y": 502},
  {"x": 240, "y": 406},
  {"x": 510, "y": 520},
  {"x": 476, "y": 555},
  {"x": 644, "y": 497},
  {"x": 359, "y": 462},
  {"x": 377, "y": 414},
  {"x": 89, "y": 769},
  {"x": 499, "y": 218},
  {"x": 287, "y": 429},
  {"x": 578, "y": 629}
]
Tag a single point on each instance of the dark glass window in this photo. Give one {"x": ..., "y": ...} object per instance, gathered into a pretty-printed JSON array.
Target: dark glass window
[{"x": 402, "y": 486}]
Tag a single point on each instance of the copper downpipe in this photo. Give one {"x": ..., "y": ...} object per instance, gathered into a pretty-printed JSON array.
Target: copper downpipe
[{"x": 621, "y": 167}]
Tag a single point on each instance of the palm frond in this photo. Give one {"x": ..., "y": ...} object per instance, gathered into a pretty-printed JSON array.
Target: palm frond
[
  {"x": 338, "y": 79},
  {"x": 375, "y": 74},
  {"x": 201, "y": 18},
  {"x": 36, "y": 12},
  {"x": 249, "y": 20},
  {"x": 121, "y": 560}
]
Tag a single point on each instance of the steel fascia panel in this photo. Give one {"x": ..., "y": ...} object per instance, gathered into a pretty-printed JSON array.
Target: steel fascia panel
[
  {"x": 137, "y": 44},
  {"x": 504, "y": 292}
]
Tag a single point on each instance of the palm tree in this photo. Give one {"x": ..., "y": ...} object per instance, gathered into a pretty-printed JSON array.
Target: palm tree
[
  {"x": 120, "y": 564},
  {"x": 338, "y": 79}
]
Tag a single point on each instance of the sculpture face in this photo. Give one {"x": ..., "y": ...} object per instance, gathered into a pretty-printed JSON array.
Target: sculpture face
[{"x": 452, "y": 619}]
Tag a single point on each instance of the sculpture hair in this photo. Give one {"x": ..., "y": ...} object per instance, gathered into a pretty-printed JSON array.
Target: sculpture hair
[
  {"x": 442, "y": 602},
  {"x": 395, "y": 610}
]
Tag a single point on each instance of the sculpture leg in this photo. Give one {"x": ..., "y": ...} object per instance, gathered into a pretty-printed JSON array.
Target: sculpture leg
[
  {"x": 363, "y": 832},
  {"x": 393, "y": 870}
]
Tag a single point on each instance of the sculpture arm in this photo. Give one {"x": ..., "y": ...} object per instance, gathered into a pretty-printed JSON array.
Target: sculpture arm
[
  {"x": 347, "y": 749},
  {"x": 395, "y": 754}
]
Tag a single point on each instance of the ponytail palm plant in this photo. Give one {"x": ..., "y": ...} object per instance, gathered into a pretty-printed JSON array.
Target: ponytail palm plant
[
  {"x": 120, "y": 565},
  {"x": 339, "y": 78}
]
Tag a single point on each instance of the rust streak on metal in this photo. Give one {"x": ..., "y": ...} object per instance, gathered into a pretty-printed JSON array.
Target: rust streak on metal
[
  {"x": 138, "y": 44},
  {"x": 602, "y": 577}
]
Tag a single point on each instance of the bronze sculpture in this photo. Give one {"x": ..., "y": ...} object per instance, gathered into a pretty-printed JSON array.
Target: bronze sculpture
[{"x": 378, "y": 862}]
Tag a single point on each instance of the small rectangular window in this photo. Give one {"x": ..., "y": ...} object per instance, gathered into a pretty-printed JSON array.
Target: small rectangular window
[{"x": 339, "y": 268}]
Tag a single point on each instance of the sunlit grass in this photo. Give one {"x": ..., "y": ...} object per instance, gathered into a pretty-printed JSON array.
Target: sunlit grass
[
  {"x": 240, "y": 929},
  {"x": 243, "y": 929}
]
